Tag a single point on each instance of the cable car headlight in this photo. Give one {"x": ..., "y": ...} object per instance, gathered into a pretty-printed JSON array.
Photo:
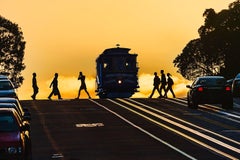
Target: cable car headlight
[{"x": 119, "y": 81}]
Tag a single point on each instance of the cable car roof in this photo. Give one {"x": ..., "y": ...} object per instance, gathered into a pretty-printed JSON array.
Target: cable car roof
[{"x": 115, "y": 51}]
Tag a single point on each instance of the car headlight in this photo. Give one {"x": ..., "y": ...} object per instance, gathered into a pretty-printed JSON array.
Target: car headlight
[
  {"x": 14, "y": 150},
  {"x": 119, "y": 81}
]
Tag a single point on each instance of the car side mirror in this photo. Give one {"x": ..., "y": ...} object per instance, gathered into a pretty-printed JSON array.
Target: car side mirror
[
  {"x": 27, "y": 114},
  {"x": 188, "y": 86},
  {"x": 25, "y": 127}
]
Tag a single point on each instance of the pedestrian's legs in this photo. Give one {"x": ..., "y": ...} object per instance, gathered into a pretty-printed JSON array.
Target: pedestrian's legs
[
  {"x": 162, "y": 88},
  {"x": 87, "y": 93},
  {"x": 167, "y": 89},
  {"x": 59, "y": 95},
  {"x": 171, "y": 90},
  {"x": 152, "y": 92},
  {"x": 158, "y": 90},
  {"x": 79, "y": 91},
  {"x": 49, "y": 97}
]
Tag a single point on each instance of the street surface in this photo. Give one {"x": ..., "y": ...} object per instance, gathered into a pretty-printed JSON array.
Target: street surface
[{"x": 134, "y": 129}]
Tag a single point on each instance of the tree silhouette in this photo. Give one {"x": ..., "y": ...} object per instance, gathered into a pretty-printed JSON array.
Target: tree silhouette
[
  {"x": 12, "y": 48},
  {"x": 217, "y": 50}
]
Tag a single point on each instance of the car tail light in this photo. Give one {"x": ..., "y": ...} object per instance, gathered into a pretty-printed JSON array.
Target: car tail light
[
  {"x": 200, "y": 89},
  {"x": 228, "y": 88}
]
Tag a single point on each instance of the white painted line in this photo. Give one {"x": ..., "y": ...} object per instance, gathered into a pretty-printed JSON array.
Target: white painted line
[
  {"x": 144, "y": 131},
  {"x": 89, "y": 125},
  {"x": 57, "y": 155},
  {"x": 185, "y": 128},
  {"x": 214, "y": 109},
  {"x": 183, "y": 121}
]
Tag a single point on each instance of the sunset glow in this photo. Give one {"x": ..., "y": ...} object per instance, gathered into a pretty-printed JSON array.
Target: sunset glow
[{"x": 67, "y": 36}]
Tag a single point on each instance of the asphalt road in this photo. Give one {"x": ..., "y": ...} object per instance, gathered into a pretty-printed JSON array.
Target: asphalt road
[{"x": 136, "y": 129}]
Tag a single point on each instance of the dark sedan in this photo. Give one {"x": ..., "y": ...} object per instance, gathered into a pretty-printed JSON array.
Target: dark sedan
[
  {"x": 211, "y": 90},
  {"x": 236, "y": 86},
  {"x": 15, "y": 142}
]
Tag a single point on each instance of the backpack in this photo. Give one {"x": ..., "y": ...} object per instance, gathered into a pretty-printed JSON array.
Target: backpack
[{"x": 170, "y": 81}]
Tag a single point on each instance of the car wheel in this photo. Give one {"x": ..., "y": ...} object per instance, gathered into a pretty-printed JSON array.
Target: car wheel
[
  {"x": 192, "y": 104},
  {"x": 195, "y": 105}
]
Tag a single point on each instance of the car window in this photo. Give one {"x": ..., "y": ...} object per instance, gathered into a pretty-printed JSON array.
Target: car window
[
  {"x": 195, "y": 82},
  {"x": 212, "y": 82},
  {"x": 5, "y": 85},
  {"x": 202, "y": 81},
  {"x": 7, "y": 123}
]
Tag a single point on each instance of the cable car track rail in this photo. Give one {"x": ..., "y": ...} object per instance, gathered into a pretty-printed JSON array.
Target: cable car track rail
[
  {"x": 218, "y": 111},
  {"x": 182, "y": 128}
]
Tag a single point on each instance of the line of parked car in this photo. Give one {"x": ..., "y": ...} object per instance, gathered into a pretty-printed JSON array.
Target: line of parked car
[
  {"x": 213, "y": 90},
  {"x": 15, "y": 139}
]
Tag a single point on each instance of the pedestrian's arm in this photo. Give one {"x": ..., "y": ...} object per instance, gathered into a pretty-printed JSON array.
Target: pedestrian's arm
[{"x": 51, "y": 84}]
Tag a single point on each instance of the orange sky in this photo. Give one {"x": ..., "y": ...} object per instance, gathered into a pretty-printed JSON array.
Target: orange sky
[{"x": 66, "y": 36}]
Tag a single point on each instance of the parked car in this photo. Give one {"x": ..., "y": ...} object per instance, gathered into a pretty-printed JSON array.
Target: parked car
[
  {"x": 7, "y": 88},
  {"x": 15, "y": 141},
  {"x": 229, "y": 82},
  {"x": 210, "y": 89},
  {"x": 236, "y": 86},
  {"x": 23, "y": 112}
]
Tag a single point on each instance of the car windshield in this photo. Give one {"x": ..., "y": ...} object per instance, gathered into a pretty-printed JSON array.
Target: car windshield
[
  {"x": 212, "y": 81},
  {"x": 7, "y": 123},
  {"x": 5, "y": 85}
]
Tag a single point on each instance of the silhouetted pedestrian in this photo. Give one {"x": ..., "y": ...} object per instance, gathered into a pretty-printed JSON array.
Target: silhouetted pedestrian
[
  {"x": 83, "y": 86},
  {"x": 54, "y": 85},
  {"x": 163, "y": 83},
  {"x": 156, "y": 82},
  {"x": 169, "y": 85},
  {"x": 34, "y": 85}
]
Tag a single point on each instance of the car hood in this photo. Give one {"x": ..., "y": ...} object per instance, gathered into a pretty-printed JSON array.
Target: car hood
[{"x": 7, "y": 138}]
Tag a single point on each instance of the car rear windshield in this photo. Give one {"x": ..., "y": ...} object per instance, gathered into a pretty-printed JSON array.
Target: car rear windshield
[
  {"x": 7, "y": 123},
  {"x": 238, "y": 75},
  {"x": 212, "y": 81}
]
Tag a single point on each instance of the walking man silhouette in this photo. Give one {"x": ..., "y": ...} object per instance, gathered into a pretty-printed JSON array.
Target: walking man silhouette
[
  {"x": 163, "y": 83},
  {"x": 54, "y": 86},
  {"x": 169, "y": 85},
  {"x": 34, "y": 85},
  {"x": 156, "y": 82},
  {"x": 83, "y": 86}
]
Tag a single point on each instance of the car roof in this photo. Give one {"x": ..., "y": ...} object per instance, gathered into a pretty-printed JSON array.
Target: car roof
[
  {"x": 12, "y": 105},
  {"x": 211, "y": 77},
  {"x": 7, "y": 110},
  {"x": 8, "y": 99},
  {"x": 7, "y": 104},
  {"x": 237, "y": 76},
  {"x": 3, "y": 77}
]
